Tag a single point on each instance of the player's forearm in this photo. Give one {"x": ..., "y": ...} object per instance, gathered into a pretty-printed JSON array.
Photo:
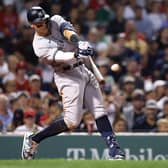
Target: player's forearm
[
  {"x": 68, "y": 31},
  {"x": 71, "y": 36},
  {"x": 59, "y": 56}
]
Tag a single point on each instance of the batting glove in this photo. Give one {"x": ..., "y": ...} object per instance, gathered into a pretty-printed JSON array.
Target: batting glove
[{"x": 84, "y": 49}]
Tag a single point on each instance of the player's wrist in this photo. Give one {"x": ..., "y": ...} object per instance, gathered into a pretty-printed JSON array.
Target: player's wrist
[{"x": 71, "y": 36}]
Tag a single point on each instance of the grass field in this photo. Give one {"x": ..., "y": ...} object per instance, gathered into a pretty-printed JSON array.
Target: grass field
[{"x": 56, "y": 163}]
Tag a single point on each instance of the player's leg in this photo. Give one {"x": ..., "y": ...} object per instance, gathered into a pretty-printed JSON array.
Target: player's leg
[
  {"x": 94, "y": 101},
  {"x": 72, "y": 97},
  {"x": 31, "y": 141},
  {"x": 72, "y": 105}
]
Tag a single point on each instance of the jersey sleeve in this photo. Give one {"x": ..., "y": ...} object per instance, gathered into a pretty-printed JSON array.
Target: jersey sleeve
[
  {"x": 62, "y": 23},
  {"x": 58, "y": 19},
  {"x": 43, "y": 51}
]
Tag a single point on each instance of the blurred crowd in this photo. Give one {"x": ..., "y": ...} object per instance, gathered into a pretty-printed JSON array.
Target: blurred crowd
[{"x": 130, "y": 38}]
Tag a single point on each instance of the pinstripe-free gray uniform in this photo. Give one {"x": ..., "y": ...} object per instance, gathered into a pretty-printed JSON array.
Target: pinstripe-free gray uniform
[{"x": 77, "y": 86}]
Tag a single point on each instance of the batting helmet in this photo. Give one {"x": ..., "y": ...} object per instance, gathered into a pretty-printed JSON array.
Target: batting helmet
[{"x": 36, "y": 14}]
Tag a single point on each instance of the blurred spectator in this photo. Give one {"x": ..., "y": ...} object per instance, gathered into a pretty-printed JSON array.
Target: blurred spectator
[
  {"x": 96, "y": 4},
  {"x": 159, "y": 88},
  {"x": 17, "y": 119},
  {"x": 25, "y": 40},
  {"x": 162, "y": 38},
  {"x": 147, "y": 123},
  {"x": 150, "y": 94},
  {"x": 73, "y": 15},
  {"x": 117, "y": 24},
  {"x": 155, "y": 16},
  {"x": 12, "y": 61},
  {"x": 13, "y": 101},
  {"x": 35, "y": 102},
  {"x": 90, "y": 18},
  {"x": 120, "y": 124},
  {"x": 111, "y": 104},
  {"x": 102, "y": 51},
  {"x": 9, "y": 19},
  {"x": 162, "y": 125},
  {"x": 143, "y": 24},
  {"x": 54, "y": 111},
  {"x": 109, "y": 80},
  {"x": 103, "y": 14},
  {"x": 56, "y": 7},
  {"x": 47, "y": 76},
  {"x": 103, "y": 37},
  {"x": 162, "y": 63},
  {"x": 128, "y": 86},
  {"x": 165, "y": 73},
  {"x": 3, "y": 65},
  {"x": 88, "y": 123},
  {"x": 129, "y": 11},
  {"x": 9, "y": 86},
  {"x": 93, "y": 36},
  {"x": 122, "y": 55},
  {"x": 153, "y": 56},
  {"x": 136, "y": 110},
  {"x": 23, "y": 13},
  {"x": 164, "y": 112},
  {"x": 66, "y": 7},
  {"x": 166, "y": 89},
  {"x": 43, "y": 121},
  {"x": 6, "y": 115},
  {"x": 133, "y": 69},
  {"x": 22, "y": 82},
  {"x": 29, "y": 123},
  {"x": 136, "y": 41},
  {"x": 35, "y": 86},
  {"x": 21, "y": 100}
]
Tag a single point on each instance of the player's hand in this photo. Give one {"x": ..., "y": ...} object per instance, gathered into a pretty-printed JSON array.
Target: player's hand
[{"x": 84, "y": 49}]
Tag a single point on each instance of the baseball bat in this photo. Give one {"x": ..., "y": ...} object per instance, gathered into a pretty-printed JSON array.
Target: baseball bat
[{"x": 96, "y": 71}]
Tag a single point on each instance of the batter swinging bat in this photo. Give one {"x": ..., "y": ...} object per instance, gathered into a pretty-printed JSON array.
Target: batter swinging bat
[{"x": 96, "y": 71}]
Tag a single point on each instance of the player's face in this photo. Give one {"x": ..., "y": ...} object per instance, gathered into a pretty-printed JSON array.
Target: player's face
[
  {"x": 41, "y": 28},
  {"x": 41, "y": 24}
]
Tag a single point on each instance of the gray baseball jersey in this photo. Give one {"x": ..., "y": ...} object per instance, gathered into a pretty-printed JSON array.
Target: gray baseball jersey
[{"x": 77, "y": 86}]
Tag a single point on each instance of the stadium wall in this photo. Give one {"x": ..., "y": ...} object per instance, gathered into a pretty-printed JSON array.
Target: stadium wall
[{"x": 137, "y": 146}]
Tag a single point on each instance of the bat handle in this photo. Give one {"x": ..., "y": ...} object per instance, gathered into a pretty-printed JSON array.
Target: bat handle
[{"x": 96, "y": 71}]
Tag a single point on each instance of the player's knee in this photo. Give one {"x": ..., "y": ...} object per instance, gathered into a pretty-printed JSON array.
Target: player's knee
[
  {"x": 99, "y": 114},
  {"x": 71, "y": 124}
]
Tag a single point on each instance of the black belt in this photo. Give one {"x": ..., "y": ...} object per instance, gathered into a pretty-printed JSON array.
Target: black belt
[{"x": 76, "y": 64}]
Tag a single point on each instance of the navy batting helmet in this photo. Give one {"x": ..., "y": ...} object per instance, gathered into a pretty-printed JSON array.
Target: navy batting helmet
[{"x": 36, "y": 14}]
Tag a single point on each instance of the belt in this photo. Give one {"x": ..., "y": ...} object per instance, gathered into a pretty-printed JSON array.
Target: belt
[{"x": 71, "y": 66}]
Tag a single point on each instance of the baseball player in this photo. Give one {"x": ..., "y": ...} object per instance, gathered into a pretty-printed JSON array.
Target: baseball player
[{"x": 56, "y": 43}]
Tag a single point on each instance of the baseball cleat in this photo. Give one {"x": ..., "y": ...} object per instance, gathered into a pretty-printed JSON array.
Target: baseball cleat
[
  {"x": 29, "y": 147},
  {"x": 115, "y": 151},
  {"x": 118, "y": 154},
  {"x": 117, "y": 157}
]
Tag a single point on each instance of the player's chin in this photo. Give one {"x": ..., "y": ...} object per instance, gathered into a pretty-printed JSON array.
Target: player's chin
[{"x": 43, "y": 31}]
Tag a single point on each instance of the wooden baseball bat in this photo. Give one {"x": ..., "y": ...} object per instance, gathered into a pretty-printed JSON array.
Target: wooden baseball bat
[{"x": 96, "y": 71}]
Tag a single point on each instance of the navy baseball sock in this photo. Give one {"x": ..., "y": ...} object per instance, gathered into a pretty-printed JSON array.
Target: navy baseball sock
[
  {"x": 55, "y": 128},
  {"x": 104, "y": 127}
]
